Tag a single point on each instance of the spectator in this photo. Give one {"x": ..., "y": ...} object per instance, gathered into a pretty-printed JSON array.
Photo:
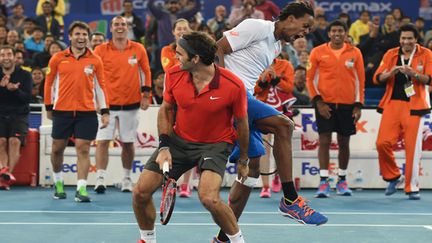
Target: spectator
[
  {"x": 53, "y": 48},
  {"x": 405, "y": 20},
  {"x": 344, "y": 17},
  {"x": 300, "y": 91},
  {"x": 128, "y": 83},
  {"x": 28, "y": 27},
  {"x": 419, "y": 24},
  {"x": 219, "y": 23},
  {"x": 168, "y": 53},
  {"x": 247, "y": 11},
  {"x": 404, "y": 107},
  {"x": 47, "y": 21},
  {"x": 303, "y": 58},
  {"x": 16, "y": 20},
  {"x": 96, "y": 38},
  {"x": 269, "y": 9},
  {"x": 319, "y": 34},
  {"x": 398, "y": 15},
  {"x": 15, "y": 95},
  {"x": 135, "y": 24},
  {"x": 157, "y": 88},
  {"x": 35, "y": 43},
  {"x": 3, "y": 35},
  {"x": 166, "y": 15},
  {"x": 72, "y": 116},
  {"x": 360, "y": 26},
  {"x": 300, "y": 44},
  {"x": 389, "y": 24},
  {"x": 3, "y": 20},
  {"x": 12, "y": 37},
  {"x": 336, "y": 66},
  {"x": 59, "y": 10},
  {"x": 21, "y": 61},
  {"x": 41, "y": 59},
  {"x": 38, "y": 78}
]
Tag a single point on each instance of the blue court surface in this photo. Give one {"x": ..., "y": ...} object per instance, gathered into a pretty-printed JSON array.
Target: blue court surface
[{"x": 31, "y": 215}]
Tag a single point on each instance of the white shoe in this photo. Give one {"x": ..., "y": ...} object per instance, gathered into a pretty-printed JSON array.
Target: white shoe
[
  {"x": 126, "y": 185},
  {"x": 100, "y": 186}
]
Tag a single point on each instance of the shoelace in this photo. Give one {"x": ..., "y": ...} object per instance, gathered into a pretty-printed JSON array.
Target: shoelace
[{"x": 303, "y": 205}]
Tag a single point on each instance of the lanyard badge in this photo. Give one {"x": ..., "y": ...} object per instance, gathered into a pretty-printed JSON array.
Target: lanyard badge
[{"x": 409, "y": 86}]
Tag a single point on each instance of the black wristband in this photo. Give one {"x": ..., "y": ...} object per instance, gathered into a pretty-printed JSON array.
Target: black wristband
[
  {"x": 263, "y": 85},
  {"x": 275, "y": 81},
  {"x": 163, "y": 141}
]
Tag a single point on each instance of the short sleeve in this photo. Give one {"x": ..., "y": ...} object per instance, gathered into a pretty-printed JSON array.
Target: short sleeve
[
  {"x": 248, "y": 32},
  {"x": 167, "y": 94}
]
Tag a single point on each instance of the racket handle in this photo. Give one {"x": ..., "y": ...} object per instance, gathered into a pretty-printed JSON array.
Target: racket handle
[{"x": 165, "y": 167}]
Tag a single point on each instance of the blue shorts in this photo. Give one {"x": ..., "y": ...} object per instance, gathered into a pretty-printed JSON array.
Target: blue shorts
[{"x": 256, "y": 110}]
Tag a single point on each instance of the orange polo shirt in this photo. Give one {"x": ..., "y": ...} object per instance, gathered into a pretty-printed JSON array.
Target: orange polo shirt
[
  {"x": 127, "y": 72},
  {"x": 74, "y": 84}
]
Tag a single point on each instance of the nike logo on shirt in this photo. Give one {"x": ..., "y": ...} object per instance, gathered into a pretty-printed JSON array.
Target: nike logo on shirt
[{"x": 214, "y": 98}]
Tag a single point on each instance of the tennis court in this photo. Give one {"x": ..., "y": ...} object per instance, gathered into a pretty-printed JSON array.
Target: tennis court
[{"x": 31, "y": 215}]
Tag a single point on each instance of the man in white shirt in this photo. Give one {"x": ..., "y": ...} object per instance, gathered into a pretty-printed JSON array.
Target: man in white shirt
[{"x": 247, "y": 50}]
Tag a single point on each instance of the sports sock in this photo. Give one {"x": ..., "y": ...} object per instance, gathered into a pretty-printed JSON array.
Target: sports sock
[
  {"x": 149, "y": 236},
  {"x": 342, "y": 174},
  {"x": 237, "y": 238},
  {"x": 127, "y": 173},
  {"x": 81, "y": 183},
  {"x": 289, "y": 191},
  {"x": 101, "y": 173},
  {"x": 57, "y": 176},
  {"x": 222, "y": 236}
]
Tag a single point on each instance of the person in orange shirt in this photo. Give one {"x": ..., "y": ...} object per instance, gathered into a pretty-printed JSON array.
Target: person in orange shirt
[
  {"x": 74, "y": 87},
  {"x": 274, "y": 87},
  {"x": 335, "y": 80},
  {"x": 128, "y": 81},
  {"x": 407, "y": 70},
  {"x": 168, "y": 53}
]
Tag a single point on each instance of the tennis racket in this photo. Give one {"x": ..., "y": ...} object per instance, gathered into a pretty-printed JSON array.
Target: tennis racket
[{"x": 169, "y": 189}]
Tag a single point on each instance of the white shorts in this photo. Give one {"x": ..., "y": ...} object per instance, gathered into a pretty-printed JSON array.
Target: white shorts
[{"x": 125, "y": 121}]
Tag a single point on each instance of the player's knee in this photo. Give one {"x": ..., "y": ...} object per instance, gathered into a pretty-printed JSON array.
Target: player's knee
[
  {"x": 140, "y": 196},
  {"x": 285, "y": 127},
  {"x": 208, "y": 200}
]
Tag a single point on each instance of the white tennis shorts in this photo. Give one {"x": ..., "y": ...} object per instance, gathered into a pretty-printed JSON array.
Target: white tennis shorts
[{"x": 124, "y": 121}]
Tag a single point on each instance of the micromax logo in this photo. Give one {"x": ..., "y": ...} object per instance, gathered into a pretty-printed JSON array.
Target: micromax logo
[{"x": 355, "y": 6}]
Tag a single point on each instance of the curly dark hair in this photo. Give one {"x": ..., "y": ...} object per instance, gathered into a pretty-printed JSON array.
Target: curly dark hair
[{"x": 297, "y": 9}]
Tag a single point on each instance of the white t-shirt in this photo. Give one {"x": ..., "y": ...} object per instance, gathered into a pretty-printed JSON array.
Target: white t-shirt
[{"x": 254, "y": 49}]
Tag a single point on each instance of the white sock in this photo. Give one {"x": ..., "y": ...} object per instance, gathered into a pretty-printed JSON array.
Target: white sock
[
  {"x": 57, "y": 176},
  {"x": 149, "y": 236},
  {"x": 342, "y": 172},
  {"x": 101, "y": 173},
  {"x": 237, "y": 238},
  {"x": 81, "y": 183},
  {"x": 127, "y": 173},
  {"x": 324, "y": 173}
]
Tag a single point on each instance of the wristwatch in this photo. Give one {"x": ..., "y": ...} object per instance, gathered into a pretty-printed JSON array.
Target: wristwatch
[{"x": 243, "y": 162}]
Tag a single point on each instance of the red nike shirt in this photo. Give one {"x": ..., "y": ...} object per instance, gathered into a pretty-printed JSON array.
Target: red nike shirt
[{"x": 208, "y": 116}]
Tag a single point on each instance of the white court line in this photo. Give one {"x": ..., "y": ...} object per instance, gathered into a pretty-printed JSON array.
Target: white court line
[
  {"x": 204, "y": 212},
  {"x": 212, "y": 224},
  {"x": 428, "y": 227}
]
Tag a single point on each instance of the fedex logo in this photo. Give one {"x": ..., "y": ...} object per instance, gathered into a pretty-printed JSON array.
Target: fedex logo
[
  {"x": 314, "y": 170},
  {"x": 308, "y": 120},
  {"x": 72, "y": 168}
]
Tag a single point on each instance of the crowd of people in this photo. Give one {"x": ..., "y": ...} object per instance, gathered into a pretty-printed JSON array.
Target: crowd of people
[{"x": 95, "y": 87}]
